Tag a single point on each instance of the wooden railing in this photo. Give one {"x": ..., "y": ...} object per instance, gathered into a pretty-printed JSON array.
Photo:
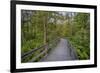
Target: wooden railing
[
  {"x": 73, "y": 52},
  {"x": 38, "y": 53}
]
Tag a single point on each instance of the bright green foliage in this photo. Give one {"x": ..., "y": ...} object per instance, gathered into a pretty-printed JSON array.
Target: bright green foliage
[
  {"x": 81, "y": 37},
  {"x": 41, "y": 27}
]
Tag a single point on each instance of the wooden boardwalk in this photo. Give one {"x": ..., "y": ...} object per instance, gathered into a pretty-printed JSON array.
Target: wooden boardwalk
[{"x": 62, "y": 52}]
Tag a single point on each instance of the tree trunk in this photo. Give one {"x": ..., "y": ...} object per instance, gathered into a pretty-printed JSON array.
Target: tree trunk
[{"x": 45, "y": 32}]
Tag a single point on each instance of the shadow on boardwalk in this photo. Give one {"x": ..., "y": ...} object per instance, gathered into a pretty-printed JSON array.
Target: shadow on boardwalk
[{"x": 62, "y": 52}]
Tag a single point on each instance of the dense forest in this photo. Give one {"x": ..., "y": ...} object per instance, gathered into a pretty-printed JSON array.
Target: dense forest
[{"x": 41, "y": 27}]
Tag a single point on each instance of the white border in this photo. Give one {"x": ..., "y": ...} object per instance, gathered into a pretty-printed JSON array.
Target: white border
[{"x": 20, "y": 65}]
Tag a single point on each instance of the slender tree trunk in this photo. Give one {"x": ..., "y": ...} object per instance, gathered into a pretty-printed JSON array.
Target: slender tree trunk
[
  {"x": 71, "y": 23},
  {"x": 45, "y": 37},
  {"x": 45, "y": 32}
]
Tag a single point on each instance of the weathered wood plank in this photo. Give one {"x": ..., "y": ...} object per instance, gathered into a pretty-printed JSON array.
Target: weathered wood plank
[
  {"x": 30, "y": 52},
  {"x": 38, "y": 56}
]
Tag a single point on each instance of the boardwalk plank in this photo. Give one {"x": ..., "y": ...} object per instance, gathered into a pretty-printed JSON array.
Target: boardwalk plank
[{"x": 61, "y": 52}]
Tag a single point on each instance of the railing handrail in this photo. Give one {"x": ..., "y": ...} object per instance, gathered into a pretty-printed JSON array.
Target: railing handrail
[
  {"x": 33, "y": 50},
  {"x": 37, "y": 56},
  {"x": 72, "y": 49}
]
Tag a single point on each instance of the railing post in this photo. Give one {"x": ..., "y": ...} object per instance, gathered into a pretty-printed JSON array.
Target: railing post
[{"x": 46, "y": 49}]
